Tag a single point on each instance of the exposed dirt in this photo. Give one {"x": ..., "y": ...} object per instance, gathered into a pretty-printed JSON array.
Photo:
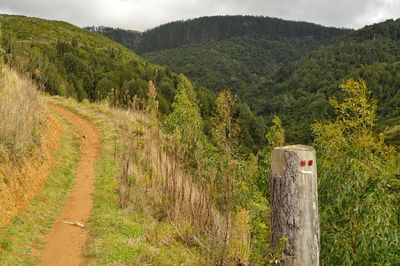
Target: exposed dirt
[
  {"x": 20, "y": 183},
  {"x": 65, "y": 242}
]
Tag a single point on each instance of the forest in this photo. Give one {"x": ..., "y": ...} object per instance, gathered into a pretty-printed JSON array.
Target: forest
[
  {"x": 68, "y": 61},
  {"x": 293, "y": 76}
]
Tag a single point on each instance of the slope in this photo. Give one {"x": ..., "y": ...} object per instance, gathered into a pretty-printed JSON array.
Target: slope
[
  {"x": 301, "y": 95},
  {"x": 68, "y": 61},
  {"x": 219, "y": 52},
  {"x": 216, "y": 28},
  {"x": 238, "y": 63}
]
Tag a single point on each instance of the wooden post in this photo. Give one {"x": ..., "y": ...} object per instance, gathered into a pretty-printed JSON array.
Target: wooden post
[{"x": 294, "y": 204}]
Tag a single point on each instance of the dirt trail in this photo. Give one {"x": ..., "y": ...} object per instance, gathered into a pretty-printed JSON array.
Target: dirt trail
[{"x": 65, "y": 242}]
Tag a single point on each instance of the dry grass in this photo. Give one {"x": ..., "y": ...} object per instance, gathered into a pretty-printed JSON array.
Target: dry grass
[
  {"x": 153, "y": 178},
  {"x": 22, "y": 116},
  {"x": 25, "y": 158}
]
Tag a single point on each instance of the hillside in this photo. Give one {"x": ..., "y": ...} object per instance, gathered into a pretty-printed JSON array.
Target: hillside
[
  {"x": 238, "y": 63},
  {"x": 295, "y": 77},
  {"x": 68, "y": 61},
  {"x": 234, "y": 52},
  {"x": 216, "y": 28},
  {"x": 302, "y": 93}
]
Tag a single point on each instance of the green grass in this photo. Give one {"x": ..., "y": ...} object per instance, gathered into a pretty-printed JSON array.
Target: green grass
[
  {"x": 27, "y": 230},
  {"x": 130, "y": 236}
]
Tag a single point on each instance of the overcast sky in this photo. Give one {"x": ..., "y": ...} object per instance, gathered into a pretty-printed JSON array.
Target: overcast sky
[{"x": 145, "y": 14}]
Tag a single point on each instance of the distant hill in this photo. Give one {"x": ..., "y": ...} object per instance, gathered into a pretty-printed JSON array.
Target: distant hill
[
  {"x": 240, "y": 53},
  {"x": 215, "y": 28},
  {"x": 128, "y": 38},
  {"x": 238, "y": 63},
  {"x": 68, "y": 61},
  {"x": 234, "y": 52},
  {"x": 292, "y": 71},
  {"x": 301, "y": 94}
]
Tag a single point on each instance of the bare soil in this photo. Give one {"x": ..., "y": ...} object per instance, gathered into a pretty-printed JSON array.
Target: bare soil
[
  {"x": 66, "y": 242},
  {"x": 20, "y": 183}
]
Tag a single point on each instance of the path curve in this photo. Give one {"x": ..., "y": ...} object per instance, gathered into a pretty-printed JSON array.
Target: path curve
[{"x": 65, "y": 243}]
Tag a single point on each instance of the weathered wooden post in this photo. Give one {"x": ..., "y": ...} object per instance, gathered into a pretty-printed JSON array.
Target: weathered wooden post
[{"x": 294, "y": 204}]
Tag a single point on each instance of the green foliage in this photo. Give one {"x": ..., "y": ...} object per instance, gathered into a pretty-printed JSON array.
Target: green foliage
[
  {"x": 238, "y": 63},
  {"x": 301, "y": 94},
  {"x": 185, "y": 120},
  {"x": 243, "y": 53},
  {"x": 71, "y": 62},
  {"x": 206, "y": 29},
  {"x": 283, "y": 73},
  {"x": 275, "y": 138},
  {"x": 276, "y": 133},
  {"x": 225, "y": 129},
  {"x": 358, "y": 174},
  {"x": 68, "y": 61}
]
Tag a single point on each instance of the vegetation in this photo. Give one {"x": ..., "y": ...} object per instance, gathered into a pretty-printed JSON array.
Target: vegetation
[
  {"x": 238, "y": 63},
  {"x": 292, "y": 76},
  {"x": 22, "y": 116},
  {"x": 25, "y": 232},
  {"x": 359, "y": 184},
  {"x": 301, "y": 95},
  {"x": 205, "y": 187},
  {"x": 178, "y": 181},
  {"x": 127, "y": 38},
  {"x": 67, "y": 61},
  {"x": 216, "y": 28}
]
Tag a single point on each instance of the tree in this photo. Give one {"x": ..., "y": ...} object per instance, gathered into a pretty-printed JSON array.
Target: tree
[
  {"x": 185, "y": 119},
  {"x": 275, "y": 138},
  {"x": 357, "y": 170}
]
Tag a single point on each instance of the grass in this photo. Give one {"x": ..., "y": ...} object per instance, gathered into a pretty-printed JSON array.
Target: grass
[
  {"x": 131, "y": 236},
  {"x": 22, "y": 115},
  {"x": 24, "y": 234}
]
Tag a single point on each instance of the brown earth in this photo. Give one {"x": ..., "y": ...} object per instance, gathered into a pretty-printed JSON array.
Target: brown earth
[
  {"x": 65, "y": 242},
  {"x": 20, "y": 182}
]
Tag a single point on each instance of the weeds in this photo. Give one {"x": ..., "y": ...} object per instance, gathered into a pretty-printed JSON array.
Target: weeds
[{"x": 22, "y": 116}]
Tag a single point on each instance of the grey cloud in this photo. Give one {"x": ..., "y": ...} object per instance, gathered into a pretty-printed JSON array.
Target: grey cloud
[{"x": 144, "y": 14}]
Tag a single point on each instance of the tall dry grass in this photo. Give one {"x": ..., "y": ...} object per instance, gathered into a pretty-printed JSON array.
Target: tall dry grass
[
  {"x": 153, "y": 177},
  {"x": 22, "y": 116}
]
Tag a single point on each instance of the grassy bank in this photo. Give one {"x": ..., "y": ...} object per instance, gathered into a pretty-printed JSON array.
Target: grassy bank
[{"x": 20, "y": 238}]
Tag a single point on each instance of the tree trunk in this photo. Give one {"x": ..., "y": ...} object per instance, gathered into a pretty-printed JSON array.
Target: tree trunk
[{"x": 294, "y": 204}]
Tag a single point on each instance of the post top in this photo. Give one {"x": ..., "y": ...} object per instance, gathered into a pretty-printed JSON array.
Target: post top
[{"x": 295, "y": 148}]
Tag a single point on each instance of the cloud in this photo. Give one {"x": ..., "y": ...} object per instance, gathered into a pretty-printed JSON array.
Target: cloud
[{"x": 144, "y": 14}]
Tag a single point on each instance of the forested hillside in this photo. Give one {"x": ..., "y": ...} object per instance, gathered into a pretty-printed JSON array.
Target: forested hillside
[
  {"x": 293, "y": 76},
  {"x": 176, "y": 182},
  {"x": 239, "y": 53},
  {"x": 300, "y": 94},
  {"x": 68, "y": 61},
  {"x": 238, "y": 63},
  {"x": 216, "y": 28},
  {"x": 127, "y": 38}
]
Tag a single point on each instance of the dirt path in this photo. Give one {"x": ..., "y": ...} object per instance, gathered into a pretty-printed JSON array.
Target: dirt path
[{"x": 65, "y": 242}]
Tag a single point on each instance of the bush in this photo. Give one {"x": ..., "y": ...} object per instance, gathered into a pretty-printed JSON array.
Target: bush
[{"x": 358, "y": 174}]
